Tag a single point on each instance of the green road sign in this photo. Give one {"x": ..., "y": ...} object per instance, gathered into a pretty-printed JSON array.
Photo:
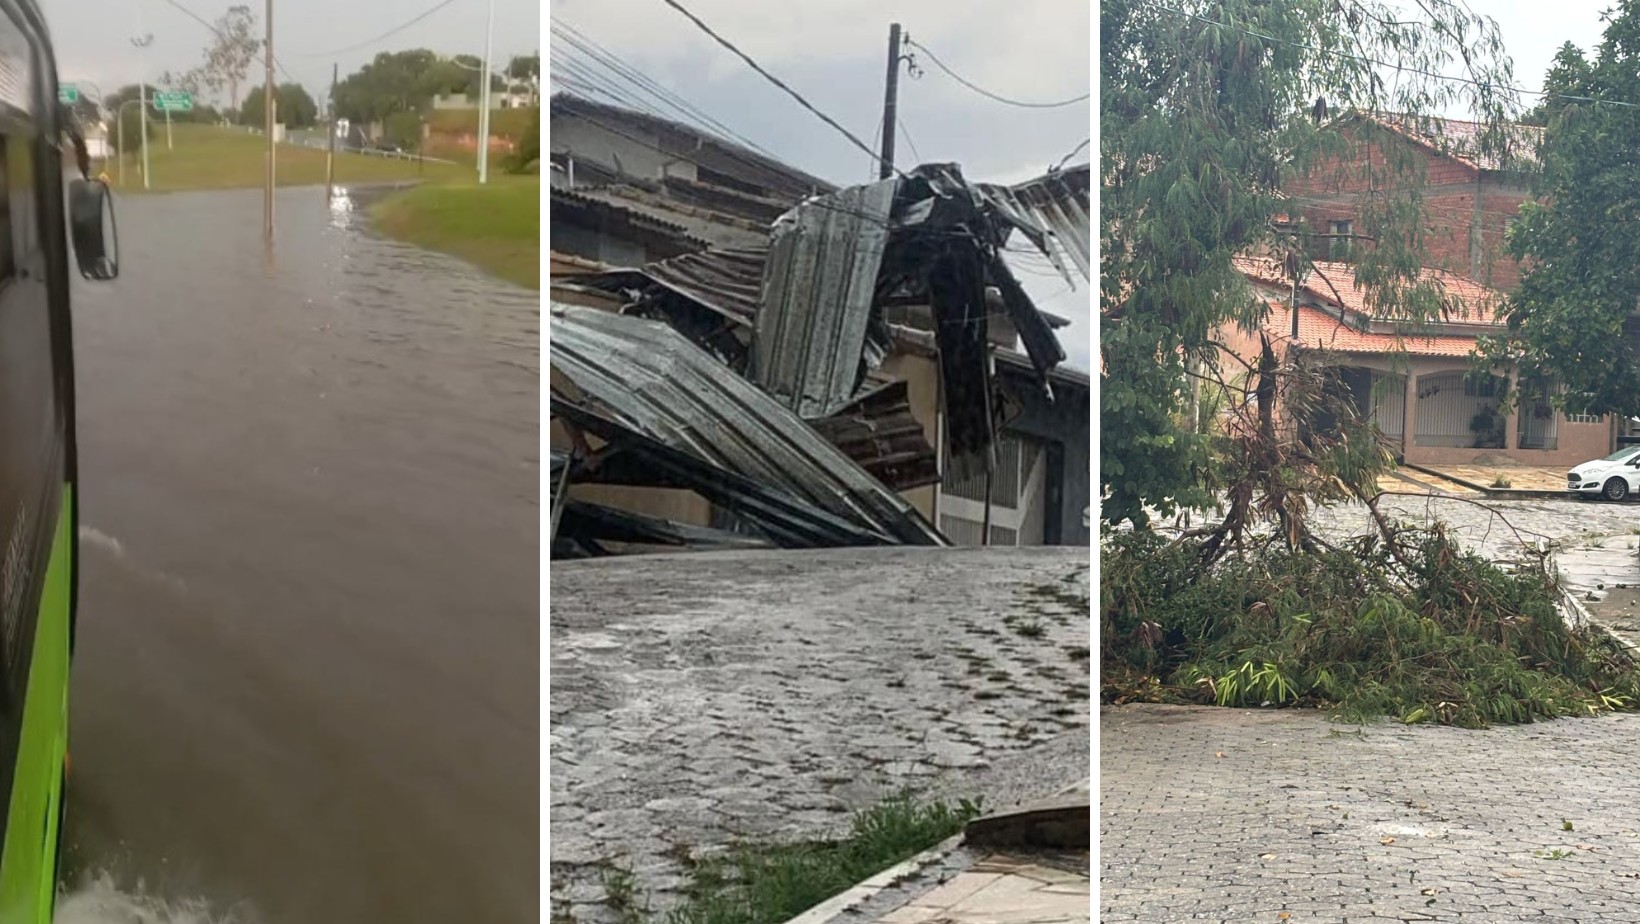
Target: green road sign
[
  {"x": 68, "y": 93},
  {"x": 174, "y": 101}
]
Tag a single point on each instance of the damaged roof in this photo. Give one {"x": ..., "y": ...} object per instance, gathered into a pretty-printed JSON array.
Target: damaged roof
[
  {"x": 649, "y": 379},
  {"x": 1058, "y": 203},
  {"x": 818, "y": 290},
  {"x": 728, "y": 282}
]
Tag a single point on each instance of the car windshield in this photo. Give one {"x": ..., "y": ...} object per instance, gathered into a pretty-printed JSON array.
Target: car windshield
[{"x": 1622, "y": 454}]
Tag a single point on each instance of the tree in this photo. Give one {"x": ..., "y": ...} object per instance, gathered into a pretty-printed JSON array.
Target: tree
[
  {"x": 528, "y": 153},
  {"x": 1205, "y": 115},
  {"x": 295, "y": 108},
  {"x": 1570, "y": 319},
  {"x": 229, "y": 57},
  {"x": 399, "y": 81},
  {"x": 524, "y": 68}
]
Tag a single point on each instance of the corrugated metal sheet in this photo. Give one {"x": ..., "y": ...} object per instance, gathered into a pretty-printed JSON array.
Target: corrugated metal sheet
[
  {"x": 1058, "y": 205},
  {"x": 657, "y": 383},
  {"x": 819, "y": 286},
  {"x": 563, "y": 198},
  {"x": 728, "y": 282}
]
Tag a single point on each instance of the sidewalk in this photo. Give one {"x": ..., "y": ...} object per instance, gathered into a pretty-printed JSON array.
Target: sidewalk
[
  {"x": 1272, "y": 815},
  {"x": 1025, "y": 865}
]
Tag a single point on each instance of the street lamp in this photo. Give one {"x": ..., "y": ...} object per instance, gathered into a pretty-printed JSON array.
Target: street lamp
[
  {"x": 142, "y": 44},
  {"x": 484, "y": 103}
]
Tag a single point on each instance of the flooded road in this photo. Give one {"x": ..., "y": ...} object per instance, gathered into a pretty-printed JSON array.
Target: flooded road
[{"x": 306, "y": 678}]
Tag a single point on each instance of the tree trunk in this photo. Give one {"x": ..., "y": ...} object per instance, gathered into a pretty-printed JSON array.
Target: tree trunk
[{"x": 1266, "y": 391}]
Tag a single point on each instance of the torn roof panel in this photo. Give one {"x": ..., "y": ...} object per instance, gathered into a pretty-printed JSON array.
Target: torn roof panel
[
  {"x": 819, "y": 287},
  {"x": 653, "y": 380},
  {"x": 728, "y": 282},
  {"x": 1057, "y": 203}
]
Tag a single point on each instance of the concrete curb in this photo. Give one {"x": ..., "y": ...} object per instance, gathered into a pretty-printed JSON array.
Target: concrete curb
[
  {"x": 843, "y": 901},
  {"x": 1491, "y": 493},
  {"x": 1582, "y": 617}
]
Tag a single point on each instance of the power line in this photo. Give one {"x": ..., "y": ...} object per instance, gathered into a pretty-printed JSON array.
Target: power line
[
  {"x": 674, "y": 4},
  {"x": 1399, "y": 67},
  {"x": 218, "y": 33},
  {"x": 987, "y": 93},
  {"x": 1067, "y": 158},
  {"x": 388, "y": 34},
  {"x": 613, "y": 62},
  {"x": 906, "y": 134}
]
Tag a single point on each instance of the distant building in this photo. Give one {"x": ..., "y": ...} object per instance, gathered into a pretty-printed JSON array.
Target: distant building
[{"x": 512, "y": 99}]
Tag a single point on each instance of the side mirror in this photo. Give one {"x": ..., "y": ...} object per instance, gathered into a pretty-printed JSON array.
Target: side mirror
[{"x": 92, "y": 226}]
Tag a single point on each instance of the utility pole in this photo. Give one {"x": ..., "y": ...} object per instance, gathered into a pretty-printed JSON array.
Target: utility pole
[
  {"x": 484, "y": 103},
  {"x": 891, "y": 100},
  {"x": 330, "y": 155},
  {"x": 267, "y": 113}
]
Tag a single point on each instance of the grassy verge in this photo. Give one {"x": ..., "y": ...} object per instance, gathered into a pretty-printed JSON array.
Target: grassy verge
[
  {"x": 497, "y": 227},
  {"x": 210, "y": 157},
  {"x": 769, "y": 884},
  {"x": 1420, "y": 631}
]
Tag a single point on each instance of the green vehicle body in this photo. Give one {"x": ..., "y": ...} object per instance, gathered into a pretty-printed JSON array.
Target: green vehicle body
[{"x": 39, "y": 516}]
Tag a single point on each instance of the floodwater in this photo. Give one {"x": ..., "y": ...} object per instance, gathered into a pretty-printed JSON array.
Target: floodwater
[{"x": 306, "y": 681}]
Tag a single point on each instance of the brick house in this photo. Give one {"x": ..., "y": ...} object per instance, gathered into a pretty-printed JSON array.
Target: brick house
[{"x": 1470, "y": 197}]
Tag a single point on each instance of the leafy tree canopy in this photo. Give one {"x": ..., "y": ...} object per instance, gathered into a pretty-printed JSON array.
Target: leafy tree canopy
[
  {"x": 294, "y": 107},
  {"x": 404, "y": 81},
  {"x": 1208, "y": 113},
  {"x": 1570, "y": 319}
]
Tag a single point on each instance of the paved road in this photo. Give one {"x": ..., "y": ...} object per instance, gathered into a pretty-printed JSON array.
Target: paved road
[
  {"x": 1280, "y": 816},
  {"x": 702, "y": 699},
  {"x": 1565, "y": 522},
  {"x": 306, "y": 681}
]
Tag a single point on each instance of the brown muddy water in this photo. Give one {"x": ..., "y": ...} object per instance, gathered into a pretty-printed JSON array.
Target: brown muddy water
[{"x": 306, "y": 682}]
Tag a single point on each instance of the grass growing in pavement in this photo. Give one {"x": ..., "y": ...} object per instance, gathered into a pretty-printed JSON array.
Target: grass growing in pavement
[
  {"x": 496, "y": 227},
  {"x": 210, "y": 157},
  {"x": 771, "y": 884}
]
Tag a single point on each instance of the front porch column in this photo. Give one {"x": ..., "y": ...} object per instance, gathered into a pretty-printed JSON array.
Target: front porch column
[
  {"x": 1511, "y": 422},
  {"x": 1409, "y": 417}
]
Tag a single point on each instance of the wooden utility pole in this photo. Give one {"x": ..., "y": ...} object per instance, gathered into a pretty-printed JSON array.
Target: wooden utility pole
[
  {"x": 267, "y": 118},
  {"x": 891, "y": 99},
  {"x": 330, "y": 154}
]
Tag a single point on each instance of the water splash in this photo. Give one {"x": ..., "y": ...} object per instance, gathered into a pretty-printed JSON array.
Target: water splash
[{"x": 99, "y": 900}]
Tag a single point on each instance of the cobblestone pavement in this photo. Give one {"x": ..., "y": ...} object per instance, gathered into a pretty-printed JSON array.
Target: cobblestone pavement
[
  {"x": 1283, "y": 817},
  {"x": 1563, "y": 522},
  {"x": 698, "y": 700}
]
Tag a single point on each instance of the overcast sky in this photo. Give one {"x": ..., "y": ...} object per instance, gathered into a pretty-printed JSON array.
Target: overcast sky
[
  {"x": 1534, "y": 30},
  {"x": 834, "y": 52},
  {"x": 93, "y": 37}
]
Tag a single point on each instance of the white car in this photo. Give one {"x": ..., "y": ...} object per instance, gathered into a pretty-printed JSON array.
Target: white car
[{"x": 1614, "y": 477}]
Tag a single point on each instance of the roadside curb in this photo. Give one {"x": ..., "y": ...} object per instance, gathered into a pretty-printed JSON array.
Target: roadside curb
[
  {"x": 858, "y": 894},
  {"x": 1491, "y": 493}
]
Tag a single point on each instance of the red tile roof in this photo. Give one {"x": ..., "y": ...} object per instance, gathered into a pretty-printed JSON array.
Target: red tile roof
[
  {"x": 1318, "y": 330},
  {"x": 1335, "y": 283}
]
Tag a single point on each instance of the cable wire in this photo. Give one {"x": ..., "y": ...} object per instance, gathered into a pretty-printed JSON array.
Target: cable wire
[
  {"x": 613, "y": 62},
  {"x": 1067, "y": 158},
  {"x": 218, "y": 32},
  {"x": 1398, "y": 67},
  {"x": 388, "y": 34},
  {"x": 674, "y": 4},
  {"x": 987, "y": 93}
]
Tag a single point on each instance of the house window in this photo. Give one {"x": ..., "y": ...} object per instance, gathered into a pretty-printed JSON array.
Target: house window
[{"x": 1339, "y": 240}]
